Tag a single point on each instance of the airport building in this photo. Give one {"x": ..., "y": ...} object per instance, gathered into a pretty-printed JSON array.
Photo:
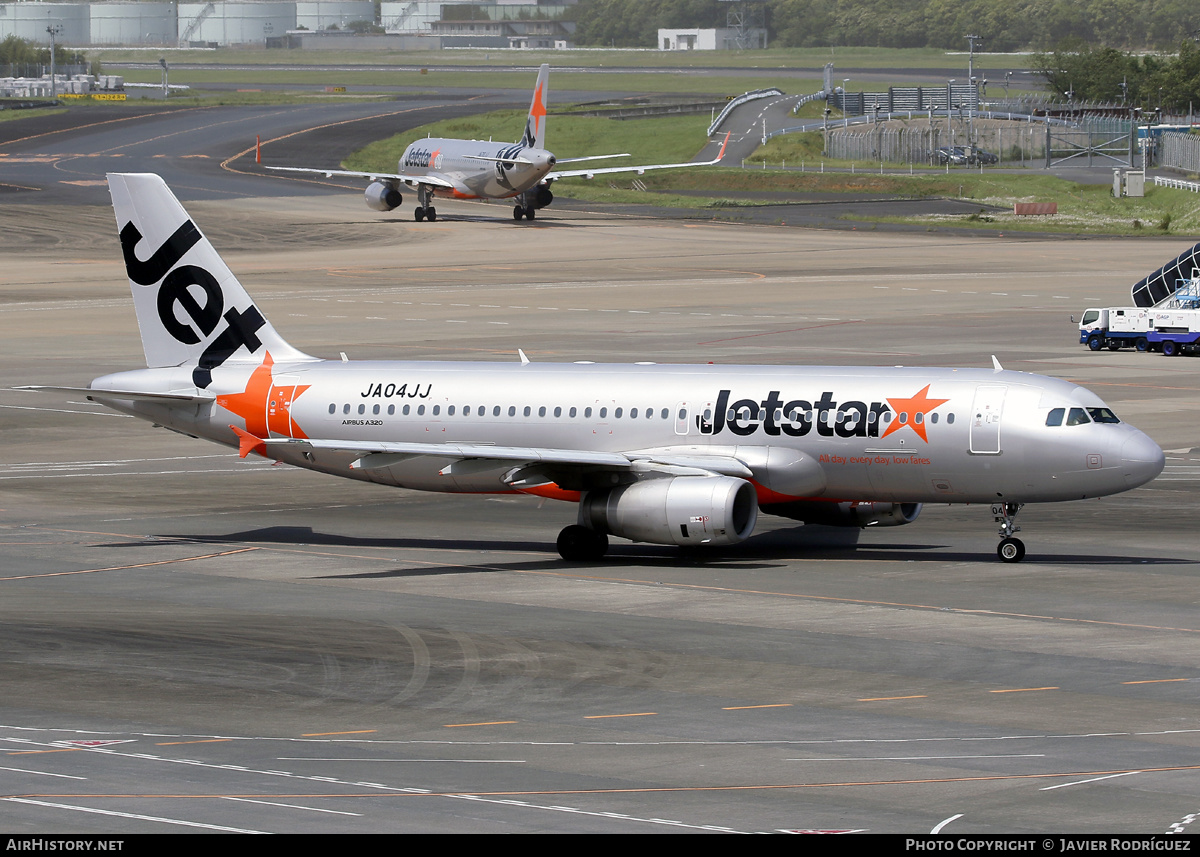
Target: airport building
[{"x": 722, "y": 39}]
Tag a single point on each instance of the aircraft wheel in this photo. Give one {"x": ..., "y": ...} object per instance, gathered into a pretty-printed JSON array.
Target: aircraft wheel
[
  {"x": 1011, "y": 550},
  {"x": 1114, "y": 345},
  {"x": 529, "y": 213},
  {"x": 419, "y": 214},
  {"x": 1095, "y": 342},
  {"x": 1142, "y": 344},
  {"x": 1170, "y": 349},
  {"x": 579, "y": 544},
  {"x": 518, "y": 213},
  {"x": 431, "y": 214}
]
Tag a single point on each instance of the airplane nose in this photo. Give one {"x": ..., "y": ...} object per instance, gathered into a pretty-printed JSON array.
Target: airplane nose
[{"x": 1141, "y": 460}]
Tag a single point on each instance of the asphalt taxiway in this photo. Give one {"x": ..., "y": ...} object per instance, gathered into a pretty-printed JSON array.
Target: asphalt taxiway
[{"x": 190, "y": 641}]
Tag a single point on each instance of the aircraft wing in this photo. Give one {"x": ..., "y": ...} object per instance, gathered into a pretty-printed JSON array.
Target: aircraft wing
[
  {"x": 378, "y": 454},
  {"x": 436, "y": 181},
  {"x": 589, "y": 173}
]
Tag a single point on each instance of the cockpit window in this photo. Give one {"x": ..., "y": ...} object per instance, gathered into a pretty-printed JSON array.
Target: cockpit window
[
  {"x": 1103, "y": 415},
  {"x": 1055, "y": 417},
  {"x": 1077, "y": 417}
]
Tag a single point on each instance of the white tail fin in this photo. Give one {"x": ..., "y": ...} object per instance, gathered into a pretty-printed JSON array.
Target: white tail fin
[
  {"x": 535, "y": 123},
  {"x": 191, "y": 309}
]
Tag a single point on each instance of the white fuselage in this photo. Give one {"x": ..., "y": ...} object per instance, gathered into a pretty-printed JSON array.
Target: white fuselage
[
  {"x": 476, "y": 168},
  {"x": 836, "y": 433}
]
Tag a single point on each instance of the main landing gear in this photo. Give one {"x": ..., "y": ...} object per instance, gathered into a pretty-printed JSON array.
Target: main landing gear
[
  {"x": 425, "y": 211},
  {"x": 1010, "y": 549},
  {"x": 580, "y": 544},
  {"x": 521, "y": 211}
]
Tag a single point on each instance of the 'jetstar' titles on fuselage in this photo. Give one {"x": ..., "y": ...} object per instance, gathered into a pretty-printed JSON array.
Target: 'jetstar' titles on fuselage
[
  {"x": 421, "y": 158},
  {"x": 796, "y": 417}
]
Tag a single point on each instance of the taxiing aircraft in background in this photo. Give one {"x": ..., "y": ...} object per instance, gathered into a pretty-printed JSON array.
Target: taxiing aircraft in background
[
  {"x": 475, "y": 169},
  {"x": 666, "y": 454}
]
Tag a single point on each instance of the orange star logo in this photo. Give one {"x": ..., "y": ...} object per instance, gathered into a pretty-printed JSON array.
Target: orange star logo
[
  {"x": 265, "y": 406},
  {"x": 537, "y": 110},
  {"x": 907, "y": 411}
]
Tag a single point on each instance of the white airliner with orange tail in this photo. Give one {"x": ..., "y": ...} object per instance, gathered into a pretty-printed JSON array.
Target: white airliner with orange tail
[
  {"x": 667, "y": 454},
  {"x": 477, "y": 169}
]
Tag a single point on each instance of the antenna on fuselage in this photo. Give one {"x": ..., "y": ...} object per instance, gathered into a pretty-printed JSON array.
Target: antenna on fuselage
[{"x": 996, "y": 364}]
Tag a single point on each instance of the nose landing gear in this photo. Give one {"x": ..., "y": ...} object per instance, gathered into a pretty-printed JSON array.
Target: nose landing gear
[{"x": 1010, "y": 549}]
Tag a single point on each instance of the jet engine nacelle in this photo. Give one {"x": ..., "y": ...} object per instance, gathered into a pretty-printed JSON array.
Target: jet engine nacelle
[
  {"x": 382, "y": 196},
  {"x": 848, "y": 514},
  {"x": 542, "y": 196},
  {"x": 677, "y": 510}
]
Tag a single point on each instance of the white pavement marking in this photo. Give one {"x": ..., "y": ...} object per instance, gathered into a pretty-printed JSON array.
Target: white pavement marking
[
  {"x": 937, "y": 828},
  {"x": 1090, "y": 780},
  {"x": 43, "y": 773},
  {"x": 132, "y": 815},
  {"x": 291, "y": 806}
]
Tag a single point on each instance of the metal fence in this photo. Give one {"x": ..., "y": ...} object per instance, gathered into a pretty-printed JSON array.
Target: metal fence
[
  {"x": 919, "y": 144},
  {"x": 917, "y": 141},
  {"x": 1180, "y": 151}
]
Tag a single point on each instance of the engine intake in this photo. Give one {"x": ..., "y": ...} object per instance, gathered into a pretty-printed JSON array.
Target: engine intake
[
  {"x": 678, "y": 510},
  {"x": 382, "y": 196},
  {"x": 847, "y": 514}
]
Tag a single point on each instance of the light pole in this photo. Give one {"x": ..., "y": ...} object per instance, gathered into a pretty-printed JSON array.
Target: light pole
[
  {"x": 971, "y": 40},
  {"x": 845, "y": 107},
  {"x": 166, "y": 89},
  {"x": 949, "y": 103},
  {"x": 53, "y": 30}
]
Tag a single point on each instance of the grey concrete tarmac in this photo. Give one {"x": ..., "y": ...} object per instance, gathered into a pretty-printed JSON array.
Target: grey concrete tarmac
[{"x": 192, "y": 642}]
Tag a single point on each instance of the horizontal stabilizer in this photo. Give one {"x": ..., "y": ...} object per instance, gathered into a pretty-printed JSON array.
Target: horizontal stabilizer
[
  {"x": 124, "y": 395},
  {"x": 498, "y": 160}
]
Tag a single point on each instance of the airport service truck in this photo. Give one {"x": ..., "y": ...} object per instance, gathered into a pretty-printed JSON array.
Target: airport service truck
[
  {"x": 1174, "y": 331},
  {"x": 1116, "y": 327}
]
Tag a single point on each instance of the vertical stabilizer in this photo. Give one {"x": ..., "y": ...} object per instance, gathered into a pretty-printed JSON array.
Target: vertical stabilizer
[
  {"x": 535, "y": 123},
  {"x": 191, "y": 309}
]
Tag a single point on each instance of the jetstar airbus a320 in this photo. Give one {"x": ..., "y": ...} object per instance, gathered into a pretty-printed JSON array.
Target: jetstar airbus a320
[
  {"x": 477, "y": 169},
  {"x": 672, "y": 455}
]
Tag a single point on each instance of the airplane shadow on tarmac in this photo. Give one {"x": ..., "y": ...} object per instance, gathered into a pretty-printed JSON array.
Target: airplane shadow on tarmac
[{"x": 766, "y": 550}]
